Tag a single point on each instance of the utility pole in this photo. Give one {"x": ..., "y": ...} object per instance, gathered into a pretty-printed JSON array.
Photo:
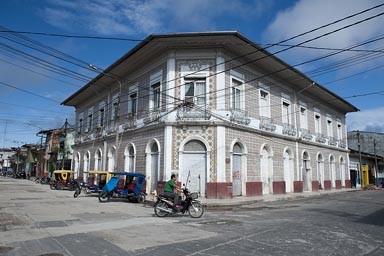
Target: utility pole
[
  {"x": 360, "y": 167},
  {"x": 39, "y": 163},
  {"x": 65, "y": 135},
  {"x": 374, "y": 149}
]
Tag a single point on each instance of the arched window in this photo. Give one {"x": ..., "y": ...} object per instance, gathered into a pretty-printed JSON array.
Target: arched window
[{"x": 194, "y": 146}]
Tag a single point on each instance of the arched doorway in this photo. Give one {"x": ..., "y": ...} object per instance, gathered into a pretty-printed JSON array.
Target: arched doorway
[
  {"x": 288, "y": 163},
  {"x": 266, "y": 169},
  {"x": 76, "y": 167},
  {"x": 152, "y": 164},
  {"x": 332, "y": 171},
  {"x": 111, "y": 159},
  {"x": 86, "y": 165},
  {"x": 342, "y": 171},
  {"x": 320, "y": 170},
  {"x": 306, "y": 172},
  {"x": 129, "y": 158},
  {"x": 238, "y": 169},
  {"x": 194, "y": 166},
  {"x": 98, "y": 160}
]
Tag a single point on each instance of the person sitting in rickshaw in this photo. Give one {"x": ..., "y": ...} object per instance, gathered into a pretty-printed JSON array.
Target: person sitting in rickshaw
[{"x": 131, "y": 186}]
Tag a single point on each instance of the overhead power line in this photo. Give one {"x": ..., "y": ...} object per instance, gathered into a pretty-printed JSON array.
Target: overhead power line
[
  {"x": 39, "y": 73},
  {"x": 334, "y": 31},
  {"x": 292, "y": 38},
  {"x": 31, "y": 93},
  {"x": 33, "y": 107},
  {"x": 3, "y": 29}
]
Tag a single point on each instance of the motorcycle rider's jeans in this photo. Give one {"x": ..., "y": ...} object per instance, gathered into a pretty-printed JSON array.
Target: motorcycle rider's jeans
[{"x": 175, "y": 198}]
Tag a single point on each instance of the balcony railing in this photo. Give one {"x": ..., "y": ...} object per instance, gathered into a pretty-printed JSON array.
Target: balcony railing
[
  {"x": 320, "y": 138},
  {"x": 152, "y": 116},
  {"x": 332, "y": 141},
  {"x": 289, "y": 129},
  {"x": 305, "y": 134},
  {"x": 99, "y": 132},
  {"x": 240, "y": 116},
  {"x": 342, "y": 143},
  {"x": 267, "y": 124},
  {"x": 131, "y": 122},
  {"x": 89, "y": 137},
  {"x": 78, "y": 139},
  {"x": 110, "y": 131},
  {"x": 191, "y": 113}
]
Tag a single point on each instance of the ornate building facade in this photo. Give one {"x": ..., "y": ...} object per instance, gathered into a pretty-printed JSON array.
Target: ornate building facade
[{"x": 215, "y": 109}]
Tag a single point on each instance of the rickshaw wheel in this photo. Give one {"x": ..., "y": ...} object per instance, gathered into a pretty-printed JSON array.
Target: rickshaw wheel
[
  {"x": 141, "y": 198},
  {"x": 158, "y": 211},
  {"x": 104, "y": 197}
]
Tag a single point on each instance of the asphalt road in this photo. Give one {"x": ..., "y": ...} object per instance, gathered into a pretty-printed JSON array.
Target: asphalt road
[{"x": 35, "y": 220}]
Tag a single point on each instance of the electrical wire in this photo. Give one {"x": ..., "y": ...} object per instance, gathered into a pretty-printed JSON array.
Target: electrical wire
[
  {"x": 167, "y": 95},
  {"x": 343, "y": 50},
  {"x": 31, "y": 93}
]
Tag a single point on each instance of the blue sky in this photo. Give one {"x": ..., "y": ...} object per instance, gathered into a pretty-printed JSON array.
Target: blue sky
[{"x": 31, "y": 95}]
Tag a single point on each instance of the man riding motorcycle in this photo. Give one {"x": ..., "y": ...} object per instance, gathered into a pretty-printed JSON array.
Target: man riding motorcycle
[{"x": 171, "y": 190}]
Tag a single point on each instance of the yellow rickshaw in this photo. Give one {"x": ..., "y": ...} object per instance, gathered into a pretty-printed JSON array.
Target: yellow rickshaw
[{"x": 63, "y": 179}]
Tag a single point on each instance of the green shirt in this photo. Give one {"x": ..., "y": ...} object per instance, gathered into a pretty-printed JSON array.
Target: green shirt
[{"x": 169, "y": 186}]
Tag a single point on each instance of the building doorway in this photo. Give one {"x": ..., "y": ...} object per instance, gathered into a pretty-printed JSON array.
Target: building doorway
[
  {"x": 332, "y": 171},
  {"x": 237, "y": 169},
  {"x": 266, "y": 167},
  {"x": 306, "y": 172},
  {"x": 320, "y": 170},
  {"x": 288, "y": 170},
  {"x": 152, "y": 164},
  {"x": 195, "y": 166}
]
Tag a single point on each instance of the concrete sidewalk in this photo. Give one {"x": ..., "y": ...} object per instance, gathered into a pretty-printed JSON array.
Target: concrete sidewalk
[{"x": 244, "y": 200}]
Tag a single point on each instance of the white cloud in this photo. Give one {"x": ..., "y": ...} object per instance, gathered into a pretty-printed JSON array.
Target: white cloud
[
  {"x": 307, "y": 15},
  {"x": 371, "y": 120},
  {"x": 132, "y": 17}
]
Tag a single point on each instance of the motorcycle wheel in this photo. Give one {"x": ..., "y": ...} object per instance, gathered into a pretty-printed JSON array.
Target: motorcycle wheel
[
  {"x": 59, "y": 186},
  {"x": 104, "y": 197},
  {"x": 77, "y": 192},
  {"x": 196, "y": 209},
  {"x": 52, "y": 186},
  {"x": 159, "y": 205}
]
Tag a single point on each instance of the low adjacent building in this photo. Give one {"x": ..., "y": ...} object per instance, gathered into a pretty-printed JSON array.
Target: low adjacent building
[{"x": 369, "y": 147}]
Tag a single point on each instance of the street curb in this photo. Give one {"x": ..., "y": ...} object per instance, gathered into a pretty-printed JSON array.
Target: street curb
[{"x": 231, "y": 205}]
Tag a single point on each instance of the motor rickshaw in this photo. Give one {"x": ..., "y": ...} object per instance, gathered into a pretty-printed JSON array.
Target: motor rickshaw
[
  {"x": 95, "y": 182},
  {"x": 63, "y": 179},
  {"x": 124, "y": 184}
]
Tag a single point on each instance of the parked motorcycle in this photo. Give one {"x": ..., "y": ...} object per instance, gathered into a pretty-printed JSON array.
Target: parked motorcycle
[
  {"x": 163, "y": 206},
  {"x": 78, "y": 189},
  {"x": 44, "y": 180}
]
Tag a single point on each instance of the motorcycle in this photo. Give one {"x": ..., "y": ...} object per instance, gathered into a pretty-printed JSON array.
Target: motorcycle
[
  {"x": 44, "y": 180},
  {"x": 163, "y": 206},
  {"x": 78, "y": 189}
]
